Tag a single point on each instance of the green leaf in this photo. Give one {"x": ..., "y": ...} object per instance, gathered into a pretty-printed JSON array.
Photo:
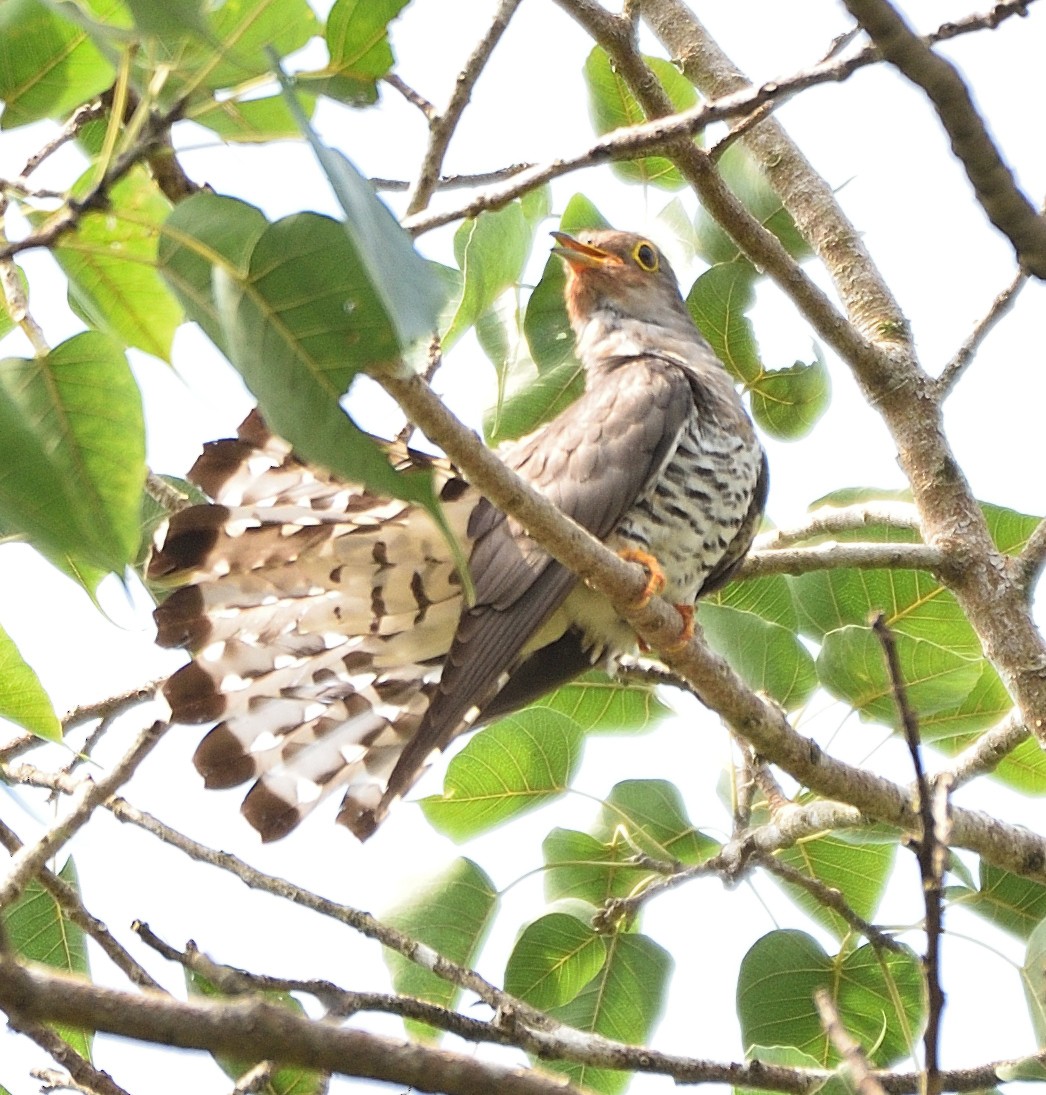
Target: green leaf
[
  {"x": 39, "y": 930},
  {"x": 514, "y": 766},
  {"x": 623, "y": 1002},
  {"x": 767, "y": 655},
  {"x": 613, "y": 106},
  {"x": 852, "y": 666},
  {"x": 858, "y": 870},
  {"x": 545, "y": 324},
  {"x": 491, "y": 250},
  {"x": 538, "y": 400},
  {"x": 650, "y": 815},
  {"x": 452, "y": 914},
  {"x": 581, "y": 867},
  {"x": 22, "y": 696},
  {"x": 203, "y": 231},
  {"x": 744, "y": 177},
  {"x": 169, "y": 19},
  {"x": 48, "y": 65},
  {"x": 357, "y": 39},
  {"x": 879, "y": 997},
  {"x": 300, "y": 320},
  {"x": 553, "y": 959},
  {"x": 72, "y": 451},
  {"x": 769, "y": 598},
  {"x": 598, "y": 704},
  {"x": 252, "y": 121},
  {"x": 283, "y": 1081},
  {"x": 110, "y": 260},
  {"x": 787, "y": 403},
  {"x": 1015, "y": 904},
  {"x": 236, "y": 49},
  {"x": 717, "y": 302},
  {"x": 408, "y": 287}
]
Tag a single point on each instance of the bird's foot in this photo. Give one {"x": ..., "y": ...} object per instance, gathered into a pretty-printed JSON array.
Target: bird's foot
[
  {"x": 655, "y": 575},
  {"x": 686, "y": 614}
]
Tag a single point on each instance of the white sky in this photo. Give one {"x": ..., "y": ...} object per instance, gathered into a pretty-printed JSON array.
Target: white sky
[{"x": 872, "y": 137}]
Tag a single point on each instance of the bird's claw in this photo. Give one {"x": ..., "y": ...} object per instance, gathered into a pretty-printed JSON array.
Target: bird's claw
[
  {"x": 686, "y": 614},
  {"x": 655, "y": 575}
]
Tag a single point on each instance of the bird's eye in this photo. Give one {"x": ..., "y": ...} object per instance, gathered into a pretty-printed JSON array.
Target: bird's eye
[{"x": 645, "y": 256}]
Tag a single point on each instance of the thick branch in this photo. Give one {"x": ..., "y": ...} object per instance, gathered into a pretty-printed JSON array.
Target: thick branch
[{"x": 993, "y": 182}]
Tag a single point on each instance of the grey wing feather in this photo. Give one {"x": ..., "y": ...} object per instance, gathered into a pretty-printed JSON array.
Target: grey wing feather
[{"x": 593, "y": 461}]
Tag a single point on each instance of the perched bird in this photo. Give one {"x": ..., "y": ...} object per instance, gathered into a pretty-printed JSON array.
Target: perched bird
[{"x": 329, "y": 632}]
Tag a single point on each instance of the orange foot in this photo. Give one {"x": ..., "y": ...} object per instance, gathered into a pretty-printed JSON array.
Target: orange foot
[
  {"x": 656, "y": 576},
  {"x": 686, "y": 614}
]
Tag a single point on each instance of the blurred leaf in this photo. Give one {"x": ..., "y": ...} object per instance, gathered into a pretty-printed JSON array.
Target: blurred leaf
[
  {"x": 770, "y": 598},
  {"x": 515, "y": 765},
  {"x": 22, "y": 696},
  {"x": 452, "y": 914},
  {"x": 539, "y": 400},
  {"x": 249, "y": 121},
  {"x": 1015, "y": 904},
  {"x": 545, "y": 324},
  {"x": 409, "y": 289},
  {"x": 597, "y": 704},
  {"x": 110, "y": 260},
  {"x": 290, "y": 1080},
  {"x": 72, "y": 451},
  {"x": 491, "y": 250},
  {"x": 787, "y": 403},
  {"x": 852, "y": 666},
  {"x": 236, "y": 49},
  {"x": 768, "y": 656},
  {"x": 39, "y": 930},
  {"x": 742, "y": 174},
  {"x": 649, "y": 813},
  {"x": 300, "y": 320},
  {"x": 623, "y": 1001},
  {"x": 859, "y": 871},
  {"x": 613, "y": 106},
  {"x": 169, "y": 19},
  {"x": 553, "y": 959},
  {"x": 879, "y": 997},
  {"x": 48, "y": 65},
  {"x": 1033, "y": 978}
]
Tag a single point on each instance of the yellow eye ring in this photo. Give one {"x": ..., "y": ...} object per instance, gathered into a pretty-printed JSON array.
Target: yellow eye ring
[{"x": 645, "y": 256}]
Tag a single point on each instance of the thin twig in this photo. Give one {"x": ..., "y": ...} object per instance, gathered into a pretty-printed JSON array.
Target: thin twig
[
  {"x": 456, "y": 182},
  {"x": 71, "y": 905},
  {"x": 854, "y": 1060},
  {"x": 992, "y": 179},
  {"x": 1002, "y": 304},
  {"x": 443, "y": 124},
  {"x": 830, "y": 520},
  {"x": 28, "y": 860},
  {"x": 85, "y": 1075},
  {"x": 412, "y": 96},
  {"x": 931, "y": 851},
  {"x": 830, "y": 898}
]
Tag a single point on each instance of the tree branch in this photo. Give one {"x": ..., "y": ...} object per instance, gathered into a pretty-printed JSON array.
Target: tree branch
[{"x": 442, "y": 125}]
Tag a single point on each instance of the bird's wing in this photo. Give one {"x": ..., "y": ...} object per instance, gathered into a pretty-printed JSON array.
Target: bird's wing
[{"x": 593, "y": 462}]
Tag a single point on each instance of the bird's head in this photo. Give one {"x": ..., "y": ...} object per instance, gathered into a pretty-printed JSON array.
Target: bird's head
[{"x": 620, "y": 273}]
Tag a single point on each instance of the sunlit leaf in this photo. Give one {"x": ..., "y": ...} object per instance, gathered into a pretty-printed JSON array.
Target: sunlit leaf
[
  {"x": 22, "y": 696},
  {"x": 452, "y": 914},
  {"x": 553, "y": 959},
  {"x": 515, "y": 765}
]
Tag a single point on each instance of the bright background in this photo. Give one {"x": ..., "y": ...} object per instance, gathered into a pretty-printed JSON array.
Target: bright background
[{"x": 877, "y": 142}]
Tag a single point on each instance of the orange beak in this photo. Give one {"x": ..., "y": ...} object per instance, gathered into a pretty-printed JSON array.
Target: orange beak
[{"x": 580, "y": 255}]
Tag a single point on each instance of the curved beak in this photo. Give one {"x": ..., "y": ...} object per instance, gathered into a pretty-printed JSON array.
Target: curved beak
[{"x": 581, "y": 255}]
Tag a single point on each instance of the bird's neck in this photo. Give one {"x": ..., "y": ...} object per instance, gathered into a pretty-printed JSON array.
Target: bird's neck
[{"x": 606, "y": 335}]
